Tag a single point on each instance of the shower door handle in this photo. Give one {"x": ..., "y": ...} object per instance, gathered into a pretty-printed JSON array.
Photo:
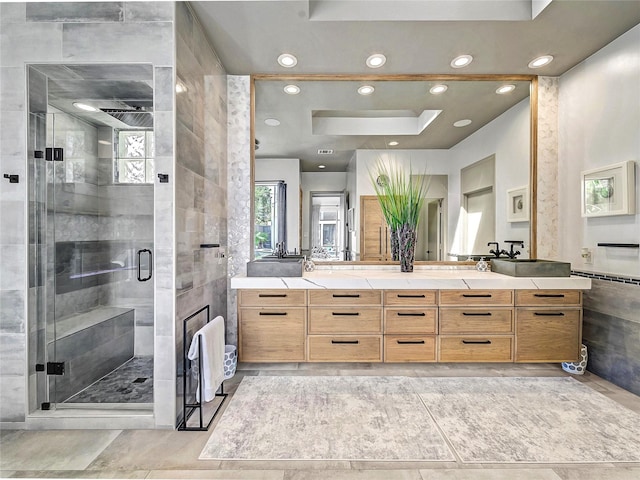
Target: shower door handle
[{"x": 148, "y": 277}]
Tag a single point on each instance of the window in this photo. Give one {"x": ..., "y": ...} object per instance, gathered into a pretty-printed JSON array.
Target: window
[{"x": 134, "y": 156}]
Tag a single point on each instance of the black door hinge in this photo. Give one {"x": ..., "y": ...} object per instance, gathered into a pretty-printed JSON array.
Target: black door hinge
[
  {"x": 55, "y": 368},
  {"x": 39, "y": 367},
  {"x": 55, "y": 154},
  {"x": 45, "y": 405}
]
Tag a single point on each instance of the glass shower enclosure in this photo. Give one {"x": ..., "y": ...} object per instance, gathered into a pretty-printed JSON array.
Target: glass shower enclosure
[{"x": 91, "y": 235}]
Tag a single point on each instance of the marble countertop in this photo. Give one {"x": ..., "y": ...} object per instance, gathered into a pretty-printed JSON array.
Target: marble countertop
[{"x": 355, "y": 279}]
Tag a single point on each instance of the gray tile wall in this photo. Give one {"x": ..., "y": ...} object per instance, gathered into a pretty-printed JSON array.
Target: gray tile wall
[
  {"x": 108, "y": 32},
  {"x": 201, "y": 178},
  {"x": 611, "y": 332}
]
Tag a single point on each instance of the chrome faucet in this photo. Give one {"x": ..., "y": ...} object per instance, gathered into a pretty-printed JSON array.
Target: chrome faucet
[
  {"x": 496, "y": 251},
  {"x": 511, "y": 254}
]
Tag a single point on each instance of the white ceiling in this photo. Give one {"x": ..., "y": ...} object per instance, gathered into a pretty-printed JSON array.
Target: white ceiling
[{"x": 417, "y": 37}]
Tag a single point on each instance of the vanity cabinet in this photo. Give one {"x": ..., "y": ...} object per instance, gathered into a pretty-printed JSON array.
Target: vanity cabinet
[
  {"x": 368, "y": 325},
  {"x": 272, "y": 325},
  {"x": 548, "y": 325},
  {"x": 476, "y": 326},
  {"x": 410, "y": 325},
  {"x": 345, "y": 326}
]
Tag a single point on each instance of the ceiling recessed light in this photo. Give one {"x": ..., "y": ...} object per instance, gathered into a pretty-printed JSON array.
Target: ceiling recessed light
[
  {"x": 462, "y": 123},
  {"x": 180, "y": 87},
  {"x": 393, "y": 143},
  {"x": 272, "y": 122},
  {"x": 321, "y": 166},
  {"x": 366, "y": 90},
  {"x": 85, "y": 107},
  {"x": 376, "y": 60},
  {"x": 505, "y": 89},
  {"x": 461, "y": 61},
  {"x": 540, "y": 61},
  {"x": 292, "y": 89},
  {"x": 438, "y": 89},
  {"x": 287, "y": 60}
]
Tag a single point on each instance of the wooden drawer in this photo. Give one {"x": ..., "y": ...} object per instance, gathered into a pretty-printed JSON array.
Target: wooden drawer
[
  {"x": 407, "y": 298},
  {"x": 476, "y": 297},
  {"x": 476, "y": 348},
  {"x": 275, "y": 298},
  {"x": 476, "y": 320},
  {"x": 409, "y": 348},
  {"x": 548, "y": 334},
  {"x": 344, "y": 348},
  {"x": 345, "y": 297},
  {"x": 272, "y": 334},
  {"x": 411, "y": 320},
  {"x": 341, "y": 320},
  {"x": 548, "y": 297}
]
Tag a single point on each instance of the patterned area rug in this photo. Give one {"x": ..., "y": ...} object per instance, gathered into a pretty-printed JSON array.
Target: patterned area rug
[
  {"x": 485, "y": 420},
  {"x": 320, "y": 418},
  {"x": 536, "y": 420}
]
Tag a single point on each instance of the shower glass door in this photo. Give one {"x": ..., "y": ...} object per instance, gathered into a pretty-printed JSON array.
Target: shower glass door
[{"x": 97, "y": 234}]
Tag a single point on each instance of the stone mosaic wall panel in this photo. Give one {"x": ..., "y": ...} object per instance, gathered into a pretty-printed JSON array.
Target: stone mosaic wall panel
[
  {"x": 240, "y": 185},
  {"x": 547, "y": 218}
]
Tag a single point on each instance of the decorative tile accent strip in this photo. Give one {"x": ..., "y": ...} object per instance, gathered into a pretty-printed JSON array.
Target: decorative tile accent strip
[{"x": 609, "y": 278}]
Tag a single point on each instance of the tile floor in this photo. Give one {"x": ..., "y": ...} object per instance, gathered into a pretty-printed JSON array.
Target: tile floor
[
  {"x": 132, "y": 382},
  {"x": 174, "y": 454}
]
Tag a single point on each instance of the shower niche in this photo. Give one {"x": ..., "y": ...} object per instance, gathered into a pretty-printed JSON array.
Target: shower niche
[{"x": 91, "y": 224}]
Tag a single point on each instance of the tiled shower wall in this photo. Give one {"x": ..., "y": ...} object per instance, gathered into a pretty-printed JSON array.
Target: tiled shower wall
[
  {"x": 201, "y": 179},
  {"x": 110, "y": 32}
]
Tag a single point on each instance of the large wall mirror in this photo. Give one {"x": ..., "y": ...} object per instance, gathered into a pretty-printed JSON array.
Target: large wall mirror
[{"x": 319, "y": 139}]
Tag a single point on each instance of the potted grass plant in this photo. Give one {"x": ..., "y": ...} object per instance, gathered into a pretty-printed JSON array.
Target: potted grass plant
[{"x": 401, "y": 197}]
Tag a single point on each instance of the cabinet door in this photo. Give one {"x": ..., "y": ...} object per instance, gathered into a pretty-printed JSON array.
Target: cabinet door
[
  {"x": 272, "y": 334},
  {"x": 375, "y": 243},
  {"x": 548, "y": 335}
]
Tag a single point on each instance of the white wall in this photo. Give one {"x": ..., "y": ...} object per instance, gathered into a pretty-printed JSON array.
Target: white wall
[
  {"x": 599, "y": 124},
  {"x": 508, "y": 138},
  {"x": 288, "y": 170},
  {"x": 317, "y": 182}
]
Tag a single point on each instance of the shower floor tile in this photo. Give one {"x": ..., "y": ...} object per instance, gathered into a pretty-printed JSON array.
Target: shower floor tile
[{"x": 132, "y": 382}]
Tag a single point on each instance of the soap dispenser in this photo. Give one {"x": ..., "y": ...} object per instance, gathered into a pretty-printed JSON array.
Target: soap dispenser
[{"x": 482, "y": 265}]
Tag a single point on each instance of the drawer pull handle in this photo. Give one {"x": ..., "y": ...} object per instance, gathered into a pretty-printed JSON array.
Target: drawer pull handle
[
  {"x": 400, "y": 295},
  {"x": 272, "y": 295},
  {"x": 549, "y": 314},
  {"x": 346, "y": 314},
  {"x": 549, "y": 295},
  {"x": 476, "y": 295},
  {"x": 417, "y": 314},
  {"x": 410, "y": 342},
  {"x": 345, "y": 342},
  {"x": 476, "y": 342},
  {"x": 346, "y": 295},
  {"x": 476, "y": 314},
  {"x": 272, "y": 313}
]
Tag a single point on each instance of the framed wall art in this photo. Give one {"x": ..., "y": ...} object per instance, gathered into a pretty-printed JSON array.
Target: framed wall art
[
  {"x": 609, "y": 190},
  {"x": 518, "y": 204}
]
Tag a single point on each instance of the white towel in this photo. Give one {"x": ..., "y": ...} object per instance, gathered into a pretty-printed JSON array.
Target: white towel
[{"x": 211, "y": 336}]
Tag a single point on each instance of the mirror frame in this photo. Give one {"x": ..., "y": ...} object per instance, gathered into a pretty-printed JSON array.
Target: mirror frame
[{"x": 533, "y": 137}]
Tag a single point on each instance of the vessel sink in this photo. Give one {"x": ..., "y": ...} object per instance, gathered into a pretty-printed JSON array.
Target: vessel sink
[
  {"x": 275, "y": 267},
  {"x": 286, "y": 258},
  {"x": 530, "y": 267}
]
